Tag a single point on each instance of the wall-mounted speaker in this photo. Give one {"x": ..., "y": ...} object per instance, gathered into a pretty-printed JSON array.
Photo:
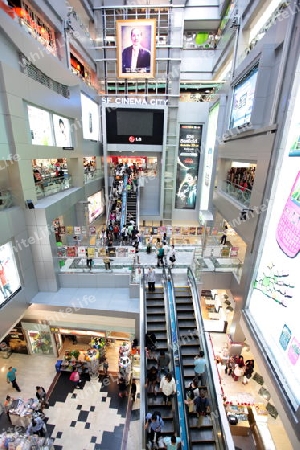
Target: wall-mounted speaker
[{"x": 29, "y": 204}]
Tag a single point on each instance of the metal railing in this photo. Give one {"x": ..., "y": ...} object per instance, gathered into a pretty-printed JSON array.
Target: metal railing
[
  {"x": 221, "y": 428},
  {"x": 236, "y": 192},
  {"x": 52, "y": 185}
]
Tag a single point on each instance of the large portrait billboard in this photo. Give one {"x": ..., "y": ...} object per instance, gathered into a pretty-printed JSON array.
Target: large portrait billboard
[
  {"x": 136, "y": 45},
  {"x": 187, "y": 166}
]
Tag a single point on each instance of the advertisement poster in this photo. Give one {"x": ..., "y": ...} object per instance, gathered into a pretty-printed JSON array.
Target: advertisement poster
[
  {"x": 62, "y": 131},
  {"x": 40, "y": 126},
  {"x": 234, "y": 252},
  {"x": 121, "y": 252},
  {"x": 90, "y": 118},
  {"x": 71, "y": 252},
  {"x": 83, "y": 231},
  {"x": 243, "y": 98},
  {"x": 209, "y": 156},
  {"x": 274, "y": 302},
  {"x": 9, "y": 276},
  {"x": 77, "y": 231},
  {"x": 95, "y": 206},
  {"x": 91, "y": 252},
  {"x": 92, "y": 231},
  {"x": 81, "y": 252},
  {"x": 62, "y": 229},
  {"x": 70, "y": 230},
  {"x": 136, "y": 45},
  {"x": 187, "y": 166}
]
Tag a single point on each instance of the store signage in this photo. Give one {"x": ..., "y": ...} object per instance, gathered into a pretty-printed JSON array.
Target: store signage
[
  {"x": 68, "y": 148},
  {"x": 134, "y": 101},
  {"x": 133, "y": 139}
]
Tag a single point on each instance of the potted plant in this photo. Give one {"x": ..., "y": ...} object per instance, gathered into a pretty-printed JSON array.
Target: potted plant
[{"x": 75, "y": 354}]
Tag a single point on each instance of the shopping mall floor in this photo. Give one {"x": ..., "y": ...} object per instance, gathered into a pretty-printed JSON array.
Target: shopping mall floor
[{"x": 96, "y": 416}]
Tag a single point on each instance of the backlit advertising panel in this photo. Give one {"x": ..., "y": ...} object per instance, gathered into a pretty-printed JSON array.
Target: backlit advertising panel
[
  {"x": 95, "y": 206},
  {"x": 187, "y": 166},
  {"x": 9, "y": 276},
  {"x": 209, "y": 156},
  {"x": 40, "y": 126},
  {"x": 274, "y": 304},
  {"x": 243, "y": 98},
  {"x": 90, "y": 118}
]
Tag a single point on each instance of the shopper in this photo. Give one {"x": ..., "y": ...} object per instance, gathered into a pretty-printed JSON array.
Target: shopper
[
  {"x": 163, "y": 362},
  {"x": 249, "y": 368},
  {"x": 160, "y": 256},
  {"x": 41, "y": 396},
  {"x": 11, "y": 378},
  {"x": 106, "y": 261},
  {"x": 199, "y": 367},
  {"x": 167, "y": 387},
  {"x": 122, "y": 387},
  {"x": 37, "y": 426},
  {"x": 171, "y": 256},
  {"x": 151, "y": 380},
  {"x": 75, "y": 377},
  {"x": 154, "y": 425},
  {"x": 202, "y": 407},
  {"x": 105, "y": 367},
  {"x": 171, "y": 442},
  {"x": 151, "y": 278},
  {"x": 133, "y": 390},
  {"x": 7, "y": 405},
  {"x": 224, "y": 236}
]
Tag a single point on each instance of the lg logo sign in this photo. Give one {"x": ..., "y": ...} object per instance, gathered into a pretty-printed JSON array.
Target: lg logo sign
[{"x": 133, "y": 139}]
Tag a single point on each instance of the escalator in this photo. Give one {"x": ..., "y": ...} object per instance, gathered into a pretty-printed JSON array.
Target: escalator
[
  {"x": 201, "y": 430},
  {"x": 132, "y": 207},
  {"x": 156, "y": 323}
]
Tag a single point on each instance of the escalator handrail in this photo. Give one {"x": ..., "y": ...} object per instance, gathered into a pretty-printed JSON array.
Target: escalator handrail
[
  {"x": 143, "y": 362},
  {"x": 137, "y": 211},
  {"x": 174, "y": 344},
  {"x": 124, "y": 203},
  {"x": 222, "y": 434},
  {"x": 170, "y": 347}
]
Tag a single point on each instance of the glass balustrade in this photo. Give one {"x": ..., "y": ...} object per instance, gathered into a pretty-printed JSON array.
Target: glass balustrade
[
  {"x": 236, "y": 192},
  {"x": 51, "y": 185}
]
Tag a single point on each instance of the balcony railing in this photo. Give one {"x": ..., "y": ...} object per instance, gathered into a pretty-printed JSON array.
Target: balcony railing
[
  {"x": 52, "y": 185},
  {"x": 236, "y": 192},
  {"x": 6, "y": 200},
  {"x": 93, "y": 175}
]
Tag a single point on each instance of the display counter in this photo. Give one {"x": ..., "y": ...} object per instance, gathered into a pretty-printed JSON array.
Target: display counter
[
  {"x": 262, "y": 435},
  {"x": 242, "y": 428},
  {"x": 21, "y": 412},
  {"x": 16, "y": 441},
  {"x": 78, "y": 359}
]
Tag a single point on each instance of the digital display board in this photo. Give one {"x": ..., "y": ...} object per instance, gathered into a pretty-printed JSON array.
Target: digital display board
[
  {"x": 40, "y": 126},
  {"x": 274, "y": 304},
  {"x": 243, "y": 99},
  {"x": 9, "y": 276},
  {"x": 90, "y": 118},
  {"x": 95, "y": 206}
]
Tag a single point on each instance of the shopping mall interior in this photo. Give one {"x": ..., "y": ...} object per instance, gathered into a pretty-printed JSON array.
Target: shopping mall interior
[{"x": 149, "y": 216}]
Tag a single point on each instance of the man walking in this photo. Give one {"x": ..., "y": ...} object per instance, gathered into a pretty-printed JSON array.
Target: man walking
[{"x": 11, "y": 378}]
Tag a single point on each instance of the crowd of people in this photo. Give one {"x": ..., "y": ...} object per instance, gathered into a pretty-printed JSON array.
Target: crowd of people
[
  {"x": 160, "y": 379},
  {"x": 242, "y": 177}
]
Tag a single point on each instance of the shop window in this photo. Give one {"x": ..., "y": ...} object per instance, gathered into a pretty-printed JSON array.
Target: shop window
[{"x": 35, "y": 25}]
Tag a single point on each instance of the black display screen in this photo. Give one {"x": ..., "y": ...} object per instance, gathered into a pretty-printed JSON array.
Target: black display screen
[{"x": 134, "y": 126}]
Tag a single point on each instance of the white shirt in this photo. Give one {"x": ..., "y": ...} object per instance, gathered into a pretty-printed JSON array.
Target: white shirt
[
  {"x": 134, "y": 57},
  {"x": 167, "y": 387}
]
